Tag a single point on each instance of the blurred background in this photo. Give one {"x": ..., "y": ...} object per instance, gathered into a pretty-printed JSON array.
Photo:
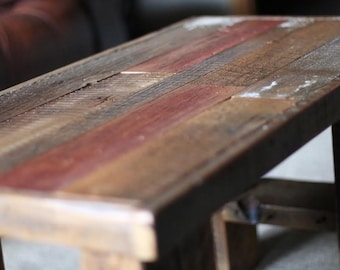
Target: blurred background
[{"x": 37, "y": 36}]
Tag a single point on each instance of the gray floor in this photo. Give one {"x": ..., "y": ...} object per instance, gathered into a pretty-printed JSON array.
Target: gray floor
[
  {"x": 280, "y": 248},
  {"x": 291, "y": 249}
]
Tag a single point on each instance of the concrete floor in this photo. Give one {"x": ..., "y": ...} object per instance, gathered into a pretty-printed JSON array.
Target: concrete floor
[
  {"x": 292, "y": 249},
  {"x": 280, "y": 248}
]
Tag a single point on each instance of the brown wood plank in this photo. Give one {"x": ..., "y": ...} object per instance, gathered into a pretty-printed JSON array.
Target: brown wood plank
[
  {"x": 76, "y": 158},
  {"x": 177, "y": 163},
  {"x": 276, "y": 54},
  {"x": 302, "y": 77},
  {"x": 299, "y": 205},
  {"x": 68, "y": 128},
  {"x": 26, "y": 146},
  {"x": 242, "y": 243},
  {"x": 37, "y": 128},
  {"x": 111, "y": 226},
  {"x": 279, "y": 139},
  {"x": 194, "y": 52},
  {"x": 299, "y": 194},
  {"x": 220, "y": 243},
  {"x": 34, "y": 132},
  {"x": 183, "y": 149},
  {"x": 201, "y": 133},
  {"x": 89, "y": 71},
  {"x": 303, "y": 219},
  {"x": 292, "y": 217},
  {"x": 36, "y": 209}
]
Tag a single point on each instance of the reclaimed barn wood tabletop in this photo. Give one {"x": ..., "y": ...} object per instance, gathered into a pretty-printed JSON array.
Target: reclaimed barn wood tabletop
[{"x": 127, "y": 151}]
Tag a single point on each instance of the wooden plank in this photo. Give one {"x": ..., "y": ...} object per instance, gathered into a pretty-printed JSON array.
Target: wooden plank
[
  {"x": 299, "y": 205},
  {"x": 195, "y": 52},
  {"x": 220, "y": 241},
  {"x": 292, "y": 217},
  {"x": 194, "y": 137},
  {"x": 89, "y": 71},
  {"x": 241, "y": 116},
  {"x": 301, "y": 78},
  {"x": 189, "y": 206},
  {"x": 65, "y": 164},
  {"x": 211, "y": 154},
  {"x": 236, "y": 245},
  {"x": 105, "y": 226},
  {"x": 309, "y": 195},
  {"x": 56, "y": 132},
  {"x": 34, "y": 132},
  {"x": 242, "y": 246},
  {"x": 249, "y": 69},
  {"x": 184, "y": 147},
  {"x": 13, "y": 159}
]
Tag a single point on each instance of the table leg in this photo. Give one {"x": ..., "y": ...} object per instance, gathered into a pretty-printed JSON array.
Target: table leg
[
  {"x": 336, "y": 152},
  {"x": 98, "y": 261},
  {"x": 195, "y": 252},
  {"x": 220, "y": 242},
  {"x": 235, "y": 244}
]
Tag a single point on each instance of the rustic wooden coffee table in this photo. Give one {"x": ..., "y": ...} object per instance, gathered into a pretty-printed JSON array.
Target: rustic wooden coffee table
[{"x": 127, "y": 154}]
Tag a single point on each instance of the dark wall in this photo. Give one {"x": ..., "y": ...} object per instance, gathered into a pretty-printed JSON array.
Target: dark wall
[
  {"x": 298, "y": 7},
  {"x": 150, "y": 15}
]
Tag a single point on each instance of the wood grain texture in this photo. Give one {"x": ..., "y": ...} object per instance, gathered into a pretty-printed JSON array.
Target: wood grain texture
[
  {"x": 302, "y": 77},
  {"x": 59, "y": 166},
  {"x": 242, "y": 243},
  {"x": 196, "y": 51},
  {"x": 30, "y": 134},
  {"x": 105, "y": 226},
  {"x": 134, "y": 162},
  {"x": 92, "y": 106},
  {"x": 299, "y": 205},
  {"x": 243, "y": 115},
  {"x": 247, "y": 70},
  {"x": 180, "y": 151},
  {"x": 220, "y": 244},
  {"x": 89, "y": 71}
]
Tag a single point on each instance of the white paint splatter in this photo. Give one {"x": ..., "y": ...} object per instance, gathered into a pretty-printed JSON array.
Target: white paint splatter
[
  {"x": 250, "y": 95},
  {"x": 210, "y": 21},
  {"x": 268, "y": 87},
  {"x": 296, "y": 22},
  {"x": 257, "y": 94},
  {"x": 307, "y": 83}
]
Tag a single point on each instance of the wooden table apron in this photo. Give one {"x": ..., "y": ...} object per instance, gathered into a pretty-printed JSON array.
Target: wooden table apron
[{"x": 129, "y": 150}]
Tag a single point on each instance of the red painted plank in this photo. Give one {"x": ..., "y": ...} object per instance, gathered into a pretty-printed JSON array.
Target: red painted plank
[
  {"x": 203, "y": 48},
  {"x": 76, "y": 158}
]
